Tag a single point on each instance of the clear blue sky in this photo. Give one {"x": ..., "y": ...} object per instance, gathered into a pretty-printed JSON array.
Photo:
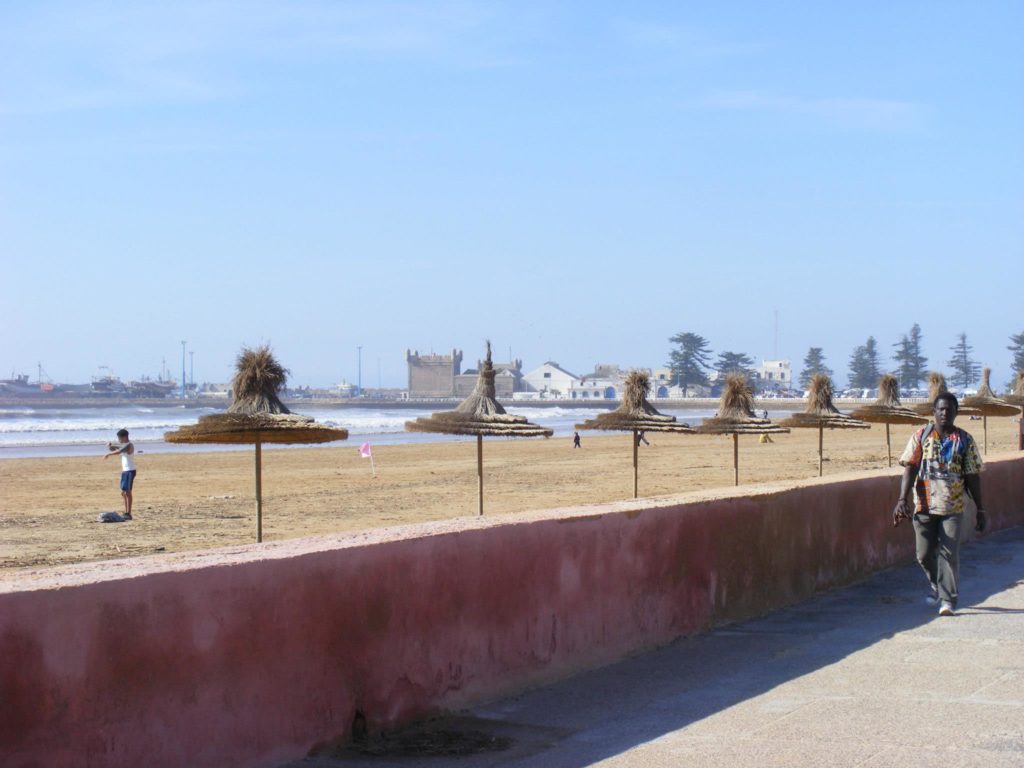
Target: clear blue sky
[{"x": 576, "y": 181}]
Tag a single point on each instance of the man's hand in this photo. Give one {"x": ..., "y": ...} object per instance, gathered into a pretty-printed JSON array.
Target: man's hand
[
  {"x": 107, "y": 456},
  {"x": 980, "y": 521},
  {"x": 901, "y": 511}
]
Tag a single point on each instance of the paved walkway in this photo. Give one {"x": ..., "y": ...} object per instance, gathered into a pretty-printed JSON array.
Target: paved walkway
[{"x": 862, "y": 676}]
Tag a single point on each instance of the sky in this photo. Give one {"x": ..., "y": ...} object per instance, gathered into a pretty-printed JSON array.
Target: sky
[{"x": 575, "y": 181}]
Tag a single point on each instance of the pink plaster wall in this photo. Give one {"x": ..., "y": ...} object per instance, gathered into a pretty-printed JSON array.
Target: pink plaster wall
[{"x": 249, "y": 656}]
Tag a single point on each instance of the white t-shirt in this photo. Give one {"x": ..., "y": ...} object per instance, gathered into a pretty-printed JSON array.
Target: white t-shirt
[{"x": 127, "y": 459}]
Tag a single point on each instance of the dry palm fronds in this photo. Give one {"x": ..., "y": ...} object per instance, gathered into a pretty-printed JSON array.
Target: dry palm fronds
[
  {"x": 256, "y": 413},
  {"x": 985, "y": 402},
  {"x": 1016, "y": 397},
  {"x": 736, "y": 412},
  {"x": 887, "y": 409},
  {"x": 259, "y": 380},
  {"x": 479, "y": 414},
  {"x": 635, "y": 412},
  {"x": 820, "y": 411},
  {"x": 936, "y": 387}
]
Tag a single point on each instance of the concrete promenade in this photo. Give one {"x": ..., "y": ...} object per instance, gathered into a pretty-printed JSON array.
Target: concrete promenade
[{"x": 867, "y": 675}]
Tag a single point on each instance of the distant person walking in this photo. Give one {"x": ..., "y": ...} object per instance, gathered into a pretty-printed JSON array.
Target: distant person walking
[
  {"x": 641, "y": 438},
  {"x": 575, "y": 440},
  {"x": 126, "y": 450},
  {"x": 940, "y": 463}
]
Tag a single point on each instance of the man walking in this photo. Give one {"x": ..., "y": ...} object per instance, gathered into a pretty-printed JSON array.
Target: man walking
[
  {"x": 126, "y": 450},
  {"x": 940, "y": 463}
]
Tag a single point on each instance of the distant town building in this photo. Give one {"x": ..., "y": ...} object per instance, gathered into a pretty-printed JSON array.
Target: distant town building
[
  {"x": 775, "y": 375},
  {"x": 433, "y": 375},
  {"x": 662, "y": 382},
  {"x": 551, "y": 380}
]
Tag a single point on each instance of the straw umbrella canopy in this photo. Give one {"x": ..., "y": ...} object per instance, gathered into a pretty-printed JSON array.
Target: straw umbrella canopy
[
  {"x": 736, "y": 417},
  {"x": 937, "y": 386},
  {"x": 636, "y": 415},
  {"x": 986, "y": 403},
  {"x": 256, "y": 416},
  {"x": 888, "y": 410},
  {"x": 1016, "y": 397},
  {"x": 821, "y": 413},
  {"x": 479, "y": 414}
]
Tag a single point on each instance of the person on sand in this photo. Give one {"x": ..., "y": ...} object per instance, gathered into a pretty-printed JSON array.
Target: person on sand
[
  {"x": 575, "y": 439},
  {"x": 126, "y": 450},
  {"x": 641, "y": 438},
  {"x": 940, "y": 463}
]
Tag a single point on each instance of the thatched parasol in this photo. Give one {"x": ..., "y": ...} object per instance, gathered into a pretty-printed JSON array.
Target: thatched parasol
[
  {"x": 636, "y": 415},
  {"x": 1016, "y": 397},
  {"x": 888, "y": 410},
  {"x": 479, "y": 414},
  {"x": 736, "y": 417},
  {"x": 821, "y": 413},
  {"x": 937, "y": 386},
  {"x": 257, "y": 415},
  {"x": 987, "y": 404}
]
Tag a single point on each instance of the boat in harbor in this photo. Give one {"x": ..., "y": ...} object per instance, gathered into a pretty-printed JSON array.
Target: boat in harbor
[
  {"x": 107, "y": 384},
  {"x": 152, "y": 388},
  {"x": 19, "y": 384}
]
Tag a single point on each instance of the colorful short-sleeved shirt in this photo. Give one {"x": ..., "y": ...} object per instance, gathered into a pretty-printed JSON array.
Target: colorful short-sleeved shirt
[{"x": 942, "y": 463}]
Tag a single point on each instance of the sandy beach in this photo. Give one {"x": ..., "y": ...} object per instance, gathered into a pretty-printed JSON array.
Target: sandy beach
[{"x": 48, "y": 507}]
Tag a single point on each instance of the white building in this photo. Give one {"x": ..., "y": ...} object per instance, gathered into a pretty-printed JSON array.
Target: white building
[
  {"x": 775, "y": 374},
  {"x": 550, "y": 380}
]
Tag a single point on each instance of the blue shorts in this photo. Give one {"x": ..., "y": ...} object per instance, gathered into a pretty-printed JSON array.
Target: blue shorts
[{"x": 127, "y": 480}]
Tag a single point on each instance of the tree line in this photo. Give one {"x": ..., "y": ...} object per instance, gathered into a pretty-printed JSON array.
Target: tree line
[{"x": 691, "y": 363}]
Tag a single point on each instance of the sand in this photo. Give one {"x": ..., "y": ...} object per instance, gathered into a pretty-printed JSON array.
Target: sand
[{"x": 48, "y": 507}]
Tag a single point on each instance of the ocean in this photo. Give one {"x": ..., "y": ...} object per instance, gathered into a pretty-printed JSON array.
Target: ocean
[{"x": 27, "y": 432}]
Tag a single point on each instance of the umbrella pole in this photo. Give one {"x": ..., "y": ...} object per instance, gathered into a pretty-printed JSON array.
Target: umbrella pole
[
  {"x": 480, "y": 473},
  {"x": 984, "y": 422},
  {"x": 259, "y": 491},
  {"x": 888, "y": 443},
  {"x": 736, "y": 458},
  {"x": 1020, "y": 430},
  {"x": 821, "y": 455},
  {"x": 636, "y": 486}
]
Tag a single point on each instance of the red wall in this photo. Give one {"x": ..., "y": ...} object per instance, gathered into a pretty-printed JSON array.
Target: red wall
[{"x": 251, "y": 655}]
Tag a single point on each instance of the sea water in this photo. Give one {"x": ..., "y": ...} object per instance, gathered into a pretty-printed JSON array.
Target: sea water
[{"x": 63, "y": 431}]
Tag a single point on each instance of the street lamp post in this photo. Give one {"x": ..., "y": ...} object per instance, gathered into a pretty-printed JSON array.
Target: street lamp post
[
  {"x": 359, "y": 377},
  {"x": 183, "y": 370}
]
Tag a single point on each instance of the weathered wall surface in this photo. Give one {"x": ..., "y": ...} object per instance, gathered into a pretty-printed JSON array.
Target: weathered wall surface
[{"x": 250, "y": 656}]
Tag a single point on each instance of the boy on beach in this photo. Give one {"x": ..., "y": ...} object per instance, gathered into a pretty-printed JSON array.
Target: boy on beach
[
  {"x": 124, "y": 448},
  {"x": 942, "y": 465}
]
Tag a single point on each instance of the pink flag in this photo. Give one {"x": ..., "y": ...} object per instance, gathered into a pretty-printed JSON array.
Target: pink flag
[{"x": 364, "y": 451}]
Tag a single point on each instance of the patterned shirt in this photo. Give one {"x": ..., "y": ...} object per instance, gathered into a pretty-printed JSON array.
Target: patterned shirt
[{"x": 942, "y": 463}]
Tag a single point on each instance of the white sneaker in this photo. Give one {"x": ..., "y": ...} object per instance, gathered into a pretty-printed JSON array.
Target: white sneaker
[{"x": 946, "y": 609}]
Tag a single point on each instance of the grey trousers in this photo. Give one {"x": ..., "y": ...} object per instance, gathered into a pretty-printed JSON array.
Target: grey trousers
[{"x": 938, "y": 551}]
